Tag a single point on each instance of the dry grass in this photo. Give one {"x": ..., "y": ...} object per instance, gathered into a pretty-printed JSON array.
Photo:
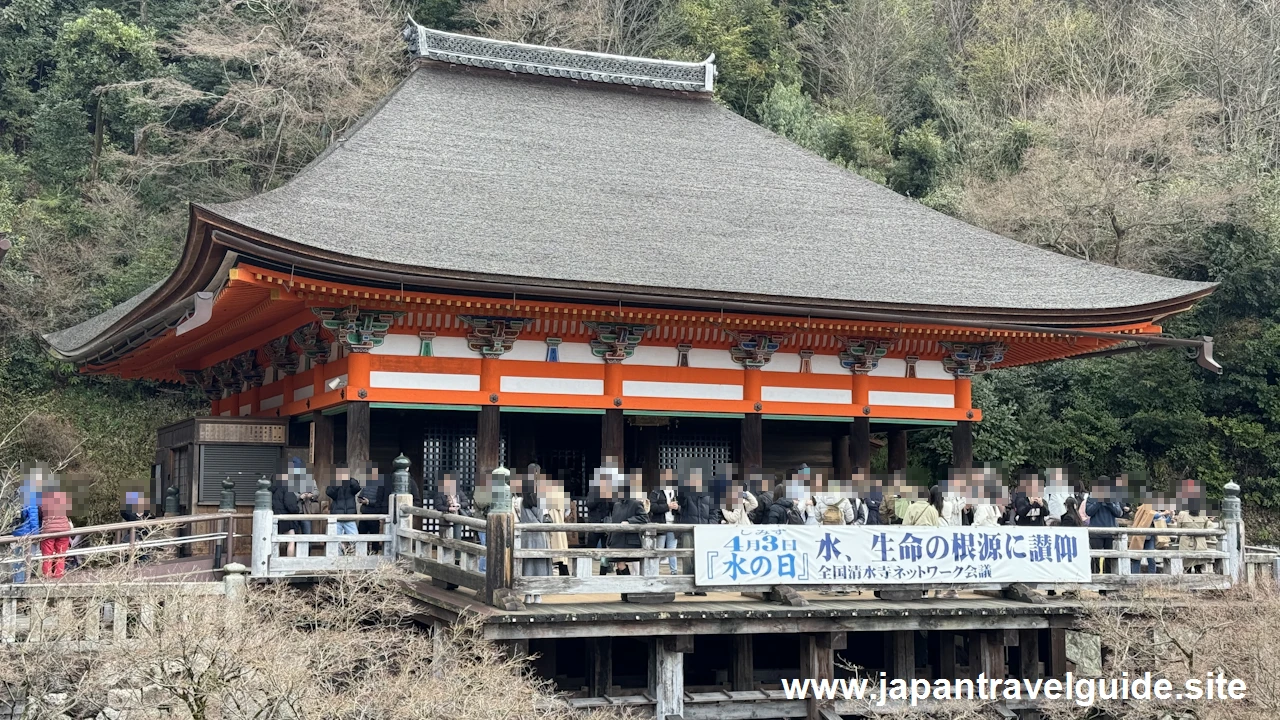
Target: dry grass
[{"x": 345, "y": 649}]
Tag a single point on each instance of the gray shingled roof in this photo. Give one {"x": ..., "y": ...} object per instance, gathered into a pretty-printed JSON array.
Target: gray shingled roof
[
  {"x": 78, "y": 336},
  {"x": 592, "y": 185}
]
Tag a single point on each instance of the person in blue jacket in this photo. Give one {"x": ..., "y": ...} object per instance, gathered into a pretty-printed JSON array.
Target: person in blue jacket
[
  {"x": 28, "y": 522},
  {"x": 1103, "y": 512}
]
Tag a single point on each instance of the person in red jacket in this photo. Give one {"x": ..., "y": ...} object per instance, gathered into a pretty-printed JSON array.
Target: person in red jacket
[{"x": 55, "y": 506}]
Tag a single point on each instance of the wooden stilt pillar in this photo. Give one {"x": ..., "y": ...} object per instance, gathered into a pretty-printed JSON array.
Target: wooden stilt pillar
[
  {"x": 358, "y": 436},
  {"x": 817, "y": 661},
  {"x": 752, "y": 443},
  {"x": 860, "y": 444},
  {"x": 840, "y": 456},
  {"x": 897, "y": 450},
  {"x": 666, "y": 674},
  {"x": 1029, "y": 654},
  {"x": 1057, "y": 667},
  {"x": 947, "y": 654},
  {"x": 488, "y": 439},
  {"x": 962, "y": 445},
  {"x": 742, "y": 674},
  {"x": 322, "y": 447},
  {"x": 611, "y": 429},
  {"x": 987, "y": 653},
  {"x": 900, "y": 647},
  {"x": 599, "y": 666}
]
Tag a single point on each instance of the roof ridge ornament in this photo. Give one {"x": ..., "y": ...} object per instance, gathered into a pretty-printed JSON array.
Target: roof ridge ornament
[{"x": 514, "y": 57}]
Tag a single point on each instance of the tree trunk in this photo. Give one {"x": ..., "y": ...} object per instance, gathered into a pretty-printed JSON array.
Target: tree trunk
[{"x": 97, "y": 140}]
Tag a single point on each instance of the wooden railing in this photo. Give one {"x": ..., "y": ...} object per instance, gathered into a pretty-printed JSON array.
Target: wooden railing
[
  {"x": 89, "y": 615},
  {"x": 129, "y": 542},
  {"x": 277, "y": 554},
  {"x": 649, "y": 558},
  {"x": 443, "y": 554}
]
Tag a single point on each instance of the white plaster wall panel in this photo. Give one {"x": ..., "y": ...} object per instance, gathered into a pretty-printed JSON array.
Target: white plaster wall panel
[
  {"x": 452, "y": 346},
  {"x": 272, "y": 402},
  {"x": 551, "y": 386},
  {"x": 685, "y": 391},
  {"x": 713, "y": 358},
  {"x": 911, "y": 399},
  {"x": 399, "y": 344},
  {"x": 572, "y": 352},
  {"x": 654, "y": 355},
  {"x": 527, "y": 350},
  {"x": 304, "y": 392},
  {"x": 770, "y": 393},
  {"x": 783, "y": 362},
  {"x": 423, "y": 381}
]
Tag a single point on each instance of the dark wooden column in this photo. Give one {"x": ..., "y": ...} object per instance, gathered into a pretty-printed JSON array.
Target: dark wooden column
[
  {"x": 612, "y": 426},
  {"x": 599, "y": 666},
  {"x": 649, "y": 450},
  {"x": 742, "y": 672},
  {"x": 962, "y": 445},
  {"x": 1029, "y": 654},
  {"x": 897, "y": 450},
  {"x": 752, "y": 443},
  {"x": 488, "y": 438},
  {"x": 860, "y": 444},
  {"x": 1057, "y": 666},
  {"x": 817, "y": 661},
  {"x": 523, "y": 442},
  {"x": 840, "y": 456},
  {"x": 358, "y": 436},
  {"x": 322, "y": 447},
  {"x": 900, "y": 652}
]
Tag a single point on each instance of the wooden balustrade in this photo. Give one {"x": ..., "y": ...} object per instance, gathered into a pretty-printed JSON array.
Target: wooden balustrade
[
  {"x": 335, "y": 552},
  {"x": 444, "y": 555}
]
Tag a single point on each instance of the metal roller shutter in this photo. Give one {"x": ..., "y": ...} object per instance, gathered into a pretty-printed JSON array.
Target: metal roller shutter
[{"x": 242, "y": 463}]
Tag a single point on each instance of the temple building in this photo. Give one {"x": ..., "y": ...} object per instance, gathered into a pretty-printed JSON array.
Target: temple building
[{"x": 530, "y": 254}]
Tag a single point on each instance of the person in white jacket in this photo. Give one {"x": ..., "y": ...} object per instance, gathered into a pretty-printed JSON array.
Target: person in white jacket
[
  {"x": 738, "y": 506},
  {"x": 834, "y": 506}
]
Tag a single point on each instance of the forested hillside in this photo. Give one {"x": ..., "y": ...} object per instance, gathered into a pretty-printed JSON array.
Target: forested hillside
[{"x": 1141, "y": 134}]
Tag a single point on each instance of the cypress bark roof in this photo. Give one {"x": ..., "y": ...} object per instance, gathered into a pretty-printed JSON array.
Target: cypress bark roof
[{"x": 471, "y": 173}]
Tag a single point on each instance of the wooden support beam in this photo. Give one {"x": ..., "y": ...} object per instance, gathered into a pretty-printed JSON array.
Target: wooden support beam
[
  {"x": 987, "y": 653},
  {"x": 500, "y": 543},
  {"x": 962, "y": 445},
  {"x": 840, "y": 456},
  {"x": 860, "y": 444},
  {"x": 666, "y": 674},
  {"x": 322, "y": 447},
  {"x": 599, "y": 666},
  {"x": 742, "y": 672},
  {"x": 946, "y": 654},
  {"x": 612, "y": 425},
  {"x": 897, "y": 450},
  {"x": 900, "y": 645},
  {"x": 1029, "y": 654},
  {"x": 817, "y": 661},
  {"x": 752, "y": 443},
  {"x": 488, "y": 439},
  {"x": 1057, "y": 666},
  {"x": 358, "y": 436}
]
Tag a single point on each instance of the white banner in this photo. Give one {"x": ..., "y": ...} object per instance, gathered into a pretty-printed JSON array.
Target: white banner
[{"x": 888, "y": 555}]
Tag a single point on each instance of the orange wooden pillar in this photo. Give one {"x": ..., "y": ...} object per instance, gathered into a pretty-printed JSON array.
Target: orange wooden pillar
[
  {"x": 752, "y": 427},
  {"x": 488, "y": 424},
  {"x": 860, "y": 428},
  {"x": 358, "y": 424},
  {"x": 962, "y": 434},
  {"x": 612, "y": 424}
]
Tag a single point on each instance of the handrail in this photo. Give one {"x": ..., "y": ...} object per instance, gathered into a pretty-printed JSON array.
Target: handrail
[
  {"x": 115, "y": 547},
  {"x": 463, "y": 520},
  {"x": 111, "y": 527},
  {"x": 606, "y": 527},
  {"x": 1184, "y": 532},
  {"x": 335, "y": 518}
]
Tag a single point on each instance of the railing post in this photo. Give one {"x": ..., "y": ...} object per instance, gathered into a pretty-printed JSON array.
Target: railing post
[
  {"x": 499, "y": 541},
  {"x": 227, "y": 501},
  {"x": 171, "y": 501},
  {"x": 234, "y": 581},
  {"x": 261, "y": 528},
  {"x": 1121, "y": 542},
  {"x": 400, "y": 487},
  {"x": 1231, "y": 522}
]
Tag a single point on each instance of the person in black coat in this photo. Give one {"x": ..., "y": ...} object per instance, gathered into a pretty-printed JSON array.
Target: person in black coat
[
  {"x": 284, "y": 502},
  {"x": 600, "y": 510},
  {"x": 628, "y": 511},
  {"x": 1104, "y": 512},
  {"x": 342, "y": 499}
]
